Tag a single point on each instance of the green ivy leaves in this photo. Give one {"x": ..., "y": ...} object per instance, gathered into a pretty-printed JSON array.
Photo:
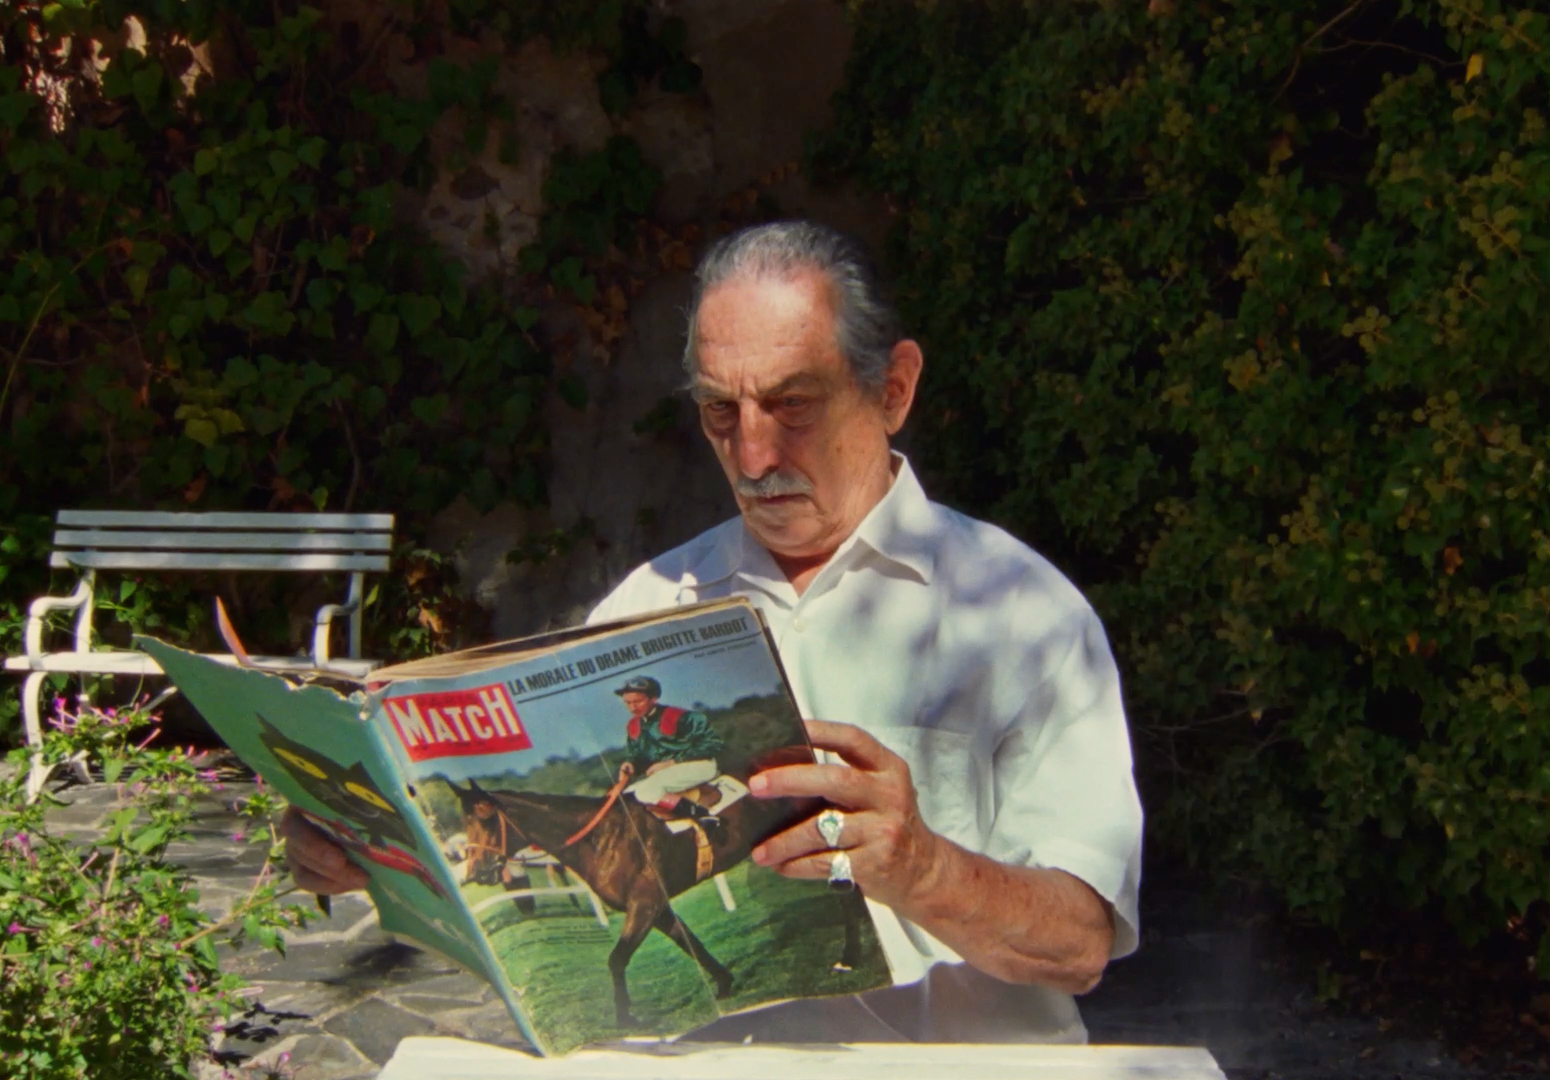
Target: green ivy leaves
[{"x": 1238, "y": 329}]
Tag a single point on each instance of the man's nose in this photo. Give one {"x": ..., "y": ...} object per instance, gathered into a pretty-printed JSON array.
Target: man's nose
[{"x": 758, "y": 442}]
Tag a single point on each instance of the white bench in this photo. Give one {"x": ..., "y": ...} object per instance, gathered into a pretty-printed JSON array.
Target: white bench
[{"x": 93, "y": 540}]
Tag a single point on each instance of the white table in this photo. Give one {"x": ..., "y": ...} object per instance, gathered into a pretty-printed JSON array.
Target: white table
[{"x": 427, "y": 1058}]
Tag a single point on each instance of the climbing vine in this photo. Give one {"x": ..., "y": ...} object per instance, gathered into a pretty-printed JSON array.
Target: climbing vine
[
  {"x": 1239, "y": 312},
  {"x": 209, "y": 298}
]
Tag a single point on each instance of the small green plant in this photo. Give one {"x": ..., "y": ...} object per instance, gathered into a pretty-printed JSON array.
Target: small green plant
[{"x": 108, "y": 966}]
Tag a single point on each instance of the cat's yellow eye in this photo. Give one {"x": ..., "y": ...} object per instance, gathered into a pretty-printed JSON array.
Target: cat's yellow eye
[
  {"x": 369, "y": 796},
  {"x": 305, "y": 765}
]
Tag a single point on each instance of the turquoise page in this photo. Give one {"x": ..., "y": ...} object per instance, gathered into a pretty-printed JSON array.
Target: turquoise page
[{"x": 321, "y": 752}]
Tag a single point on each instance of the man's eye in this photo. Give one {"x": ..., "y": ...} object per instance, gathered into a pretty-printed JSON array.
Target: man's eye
[{"x": 720, "y": 415}]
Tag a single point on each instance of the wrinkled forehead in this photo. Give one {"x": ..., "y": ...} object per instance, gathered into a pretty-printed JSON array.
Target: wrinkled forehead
[{"x": 755, "y": 335}]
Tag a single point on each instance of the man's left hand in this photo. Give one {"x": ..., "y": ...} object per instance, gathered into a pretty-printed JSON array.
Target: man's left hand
[{"x": 893, "y": 855}]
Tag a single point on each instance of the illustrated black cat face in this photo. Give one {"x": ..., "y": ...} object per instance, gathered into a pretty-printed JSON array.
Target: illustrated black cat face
[{"x": 349, "y": 792}]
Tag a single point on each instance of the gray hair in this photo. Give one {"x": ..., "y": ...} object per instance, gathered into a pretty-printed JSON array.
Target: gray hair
[{"x": 866, "y": 326}]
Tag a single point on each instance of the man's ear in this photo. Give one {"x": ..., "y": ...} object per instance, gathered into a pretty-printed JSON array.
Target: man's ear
[{"x": 904, "y": 364}]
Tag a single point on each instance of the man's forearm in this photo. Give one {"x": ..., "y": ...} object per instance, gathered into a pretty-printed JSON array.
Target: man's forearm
[{"x": 1018, "y": 924}]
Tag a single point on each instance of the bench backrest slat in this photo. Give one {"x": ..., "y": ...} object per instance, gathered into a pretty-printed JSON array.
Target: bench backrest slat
[
  {"x": 160, "y": 540},
  {"x": 224, "y": 560},
  {"x": 131, "y": 539},
  {"x": 251, "y": 522}
]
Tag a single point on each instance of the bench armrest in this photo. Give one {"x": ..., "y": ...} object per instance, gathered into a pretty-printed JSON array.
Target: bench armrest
[
  {"x": 329, "y": 612},
  {"x": 80, "y": 601}
]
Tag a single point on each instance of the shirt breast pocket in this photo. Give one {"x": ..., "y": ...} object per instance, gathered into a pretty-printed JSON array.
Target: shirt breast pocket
[{"x": 951, "y": 784}]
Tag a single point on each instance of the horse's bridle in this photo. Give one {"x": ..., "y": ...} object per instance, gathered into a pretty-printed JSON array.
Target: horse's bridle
[
  {"x": 498, "y": 851},
  {"x": 613, "y": 797}
]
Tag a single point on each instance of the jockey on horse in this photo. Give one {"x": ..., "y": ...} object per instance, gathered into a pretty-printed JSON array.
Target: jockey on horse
[{"x": 672, "y": 751}]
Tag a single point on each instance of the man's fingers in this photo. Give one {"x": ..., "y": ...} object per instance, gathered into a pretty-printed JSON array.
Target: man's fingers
[
  {"x": 315, "y": 861},
  {"x": 851, "y": 743},
  {"x": 809, "y": 867},
  {"x": 312, "y": 881},
  {"x": 304, "y": 844},
  {"x": 839, "y": 784},
  {"x": 805, "y": 839}
]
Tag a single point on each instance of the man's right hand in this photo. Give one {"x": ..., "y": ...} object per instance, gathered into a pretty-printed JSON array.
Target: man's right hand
[{"x": 317, "y": 863}]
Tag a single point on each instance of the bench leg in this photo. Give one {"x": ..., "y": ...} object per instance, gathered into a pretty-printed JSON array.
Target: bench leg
[
  {"x": 32, "y": 725},
  {"x": 37, "y": 772}
]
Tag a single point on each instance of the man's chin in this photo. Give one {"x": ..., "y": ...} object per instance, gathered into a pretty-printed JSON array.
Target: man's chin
[{"x": 786, "y": 536}]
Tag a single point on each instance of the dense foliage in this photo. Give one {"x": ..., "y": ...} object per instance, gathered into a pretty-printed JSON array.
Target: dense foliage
[
  {"x": 1240, "y": 311},
  {"x": 208, "y": 300},
  {"x": 108, "y": 967}
]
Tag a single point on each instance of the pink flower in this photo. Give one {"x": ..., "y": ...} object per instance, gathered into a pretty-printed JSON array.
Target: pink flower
[
  {"x": 15, "y": 928},
  {"x": 96, "y": 942},
  {"x": 238, "y": 837},
  {"x": 161, "y": 921}
]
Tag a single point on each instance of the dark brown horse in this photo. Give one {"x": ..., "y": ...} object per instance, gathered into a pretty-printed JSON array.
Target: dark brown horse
[
  {"x": 490, "y": 858},
  {"x": 623, "y": 851}
]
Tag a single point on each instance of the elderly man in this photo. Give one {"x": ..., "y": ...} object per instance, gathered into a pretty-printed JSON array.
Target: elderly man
[{"x": 973, "y": 731}]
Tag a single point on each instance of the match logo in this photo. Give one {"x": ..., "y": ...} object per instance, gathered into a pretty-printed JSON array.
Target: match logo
[{"x": 457, "y": 723}]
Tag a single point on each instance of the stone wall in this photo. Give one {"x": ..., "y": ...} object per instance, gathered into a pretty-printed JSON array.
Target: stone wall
[{"x": 621, "y": 490}]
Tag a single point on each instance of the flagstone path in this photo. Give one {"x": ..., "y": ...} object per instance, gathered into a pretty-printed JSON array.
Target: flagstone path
[{"x": 336, "y": 1004}]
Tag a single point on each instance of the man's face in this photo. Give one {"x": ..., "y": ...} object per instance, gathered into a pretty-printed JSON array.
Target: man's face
[
  {"x": 638, "y": 704},
  {"x": 804, "y": 446},
  {"x": 484, "y": 809}
]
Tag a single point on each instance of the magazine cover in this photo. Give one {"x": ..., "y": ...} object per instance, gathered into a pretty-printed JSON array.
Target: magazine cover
[
  {"x": 572, "y": 822},
  {"x": 604, "y": 849}
]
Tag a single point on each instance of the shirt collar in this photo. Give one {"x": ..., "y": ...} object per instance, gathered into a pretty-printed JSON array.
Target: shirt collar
[{"x": 901, "y": 528}]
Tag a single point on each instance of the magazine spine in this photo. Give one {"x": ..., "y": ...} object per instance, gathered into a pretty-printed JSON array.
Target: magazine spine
[{"x": 380, "y": 728}]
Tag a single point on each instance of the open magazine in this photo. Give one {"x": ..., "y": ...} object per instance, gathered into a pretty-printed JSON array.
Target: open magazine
[{"x": 567, "y": 816}]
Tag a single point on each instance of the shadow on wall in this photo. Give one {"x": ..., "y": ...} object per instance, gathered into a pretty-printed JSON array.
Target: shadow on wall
[{"x": 630, "y": 476}]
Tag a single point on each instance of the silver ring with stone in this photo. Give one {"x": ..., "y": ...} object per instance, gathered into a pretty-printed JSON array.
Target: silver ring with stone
[
  {"x": 831, "y": 823},
  {"x": 839, "y": 873}
]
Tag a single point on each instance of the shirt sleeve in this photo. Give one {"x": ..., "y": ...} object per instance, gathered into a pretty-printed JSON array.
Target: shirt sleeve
[{"x": 1065, "y": 791}]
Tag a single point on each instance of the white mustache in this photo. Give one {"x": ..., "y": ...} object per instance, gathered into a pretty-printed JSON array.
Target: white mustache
[{"x": 773, "y": 485}]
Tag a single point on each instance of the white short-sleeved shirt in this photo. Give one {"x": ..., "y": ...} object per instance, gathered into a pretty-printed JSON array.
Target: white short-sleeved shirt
[{"x": 974, "y": 659}]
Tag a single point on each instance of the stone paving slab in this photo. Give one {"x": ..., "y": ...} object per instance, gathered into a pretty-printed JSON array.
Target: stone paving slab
[{"x": 336, "y": 1004}]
